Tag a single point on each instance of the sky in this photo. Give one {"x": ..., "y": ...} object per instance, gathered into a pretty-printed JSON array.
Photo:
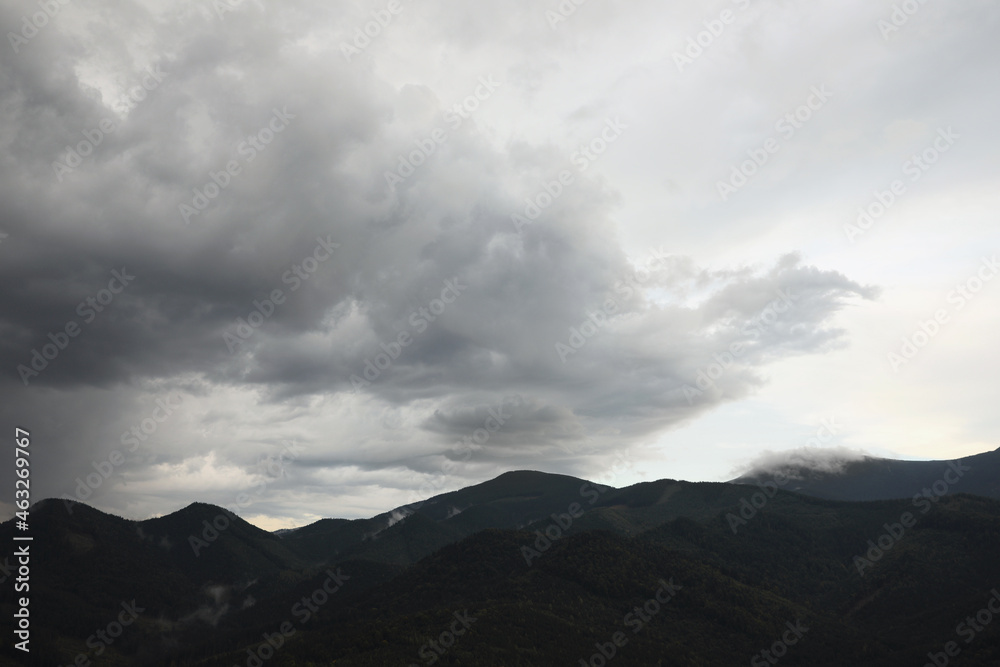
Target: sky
[{"x": 322, "y": 259}]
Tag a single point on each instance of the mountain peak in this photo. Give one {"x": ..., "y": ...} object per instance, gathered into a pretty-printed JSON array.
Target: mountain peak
[{"x": 516, "y": 475}]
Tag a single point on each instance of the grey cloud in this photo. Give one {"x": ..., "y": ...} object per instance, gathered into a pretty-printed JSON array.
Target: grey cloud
[{"x": 324, "y": 176}]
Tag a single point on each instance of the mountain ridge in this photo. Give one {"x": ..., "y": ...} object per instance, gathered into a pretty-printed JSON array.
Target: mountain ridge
[
  {"x": 873, "y": 478},
  {"x": 567, "y": 556}
]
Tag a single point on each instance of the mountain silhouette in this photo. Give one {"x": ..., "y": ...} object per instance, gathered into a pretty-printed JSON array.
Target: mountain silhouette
[
  {"x": 532, "y": 568},
  {"x": 882, "y": 479}
]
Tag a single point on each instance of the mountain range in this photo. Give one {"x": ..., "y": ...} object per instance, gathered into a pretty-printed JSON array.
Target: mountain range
[
  {"x": 873, "y": 562},
  {"x": 872, "y": 478}
]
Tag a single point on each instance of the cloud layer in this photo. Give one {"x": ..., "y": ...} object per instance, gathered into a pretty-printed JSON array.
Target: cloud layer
[{"x": 476, "y": 312}]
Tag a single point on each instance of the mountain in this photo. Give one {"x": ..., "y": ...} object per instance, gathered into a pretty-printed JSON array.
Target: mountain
[
  {"x": 526, "y": 569},
  {"x": 512, "y": 500},
  {"x": 792, "y": 563},
  {"x": 562, "y": 609},
  {"x": 883, "y": 479},
  {"x": 185, "y": 569}
]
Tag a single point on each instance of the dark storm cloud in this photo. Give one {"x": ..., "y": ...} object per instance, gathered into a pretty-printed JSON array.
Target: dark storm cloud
[{"x": 482, "y": 305}]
